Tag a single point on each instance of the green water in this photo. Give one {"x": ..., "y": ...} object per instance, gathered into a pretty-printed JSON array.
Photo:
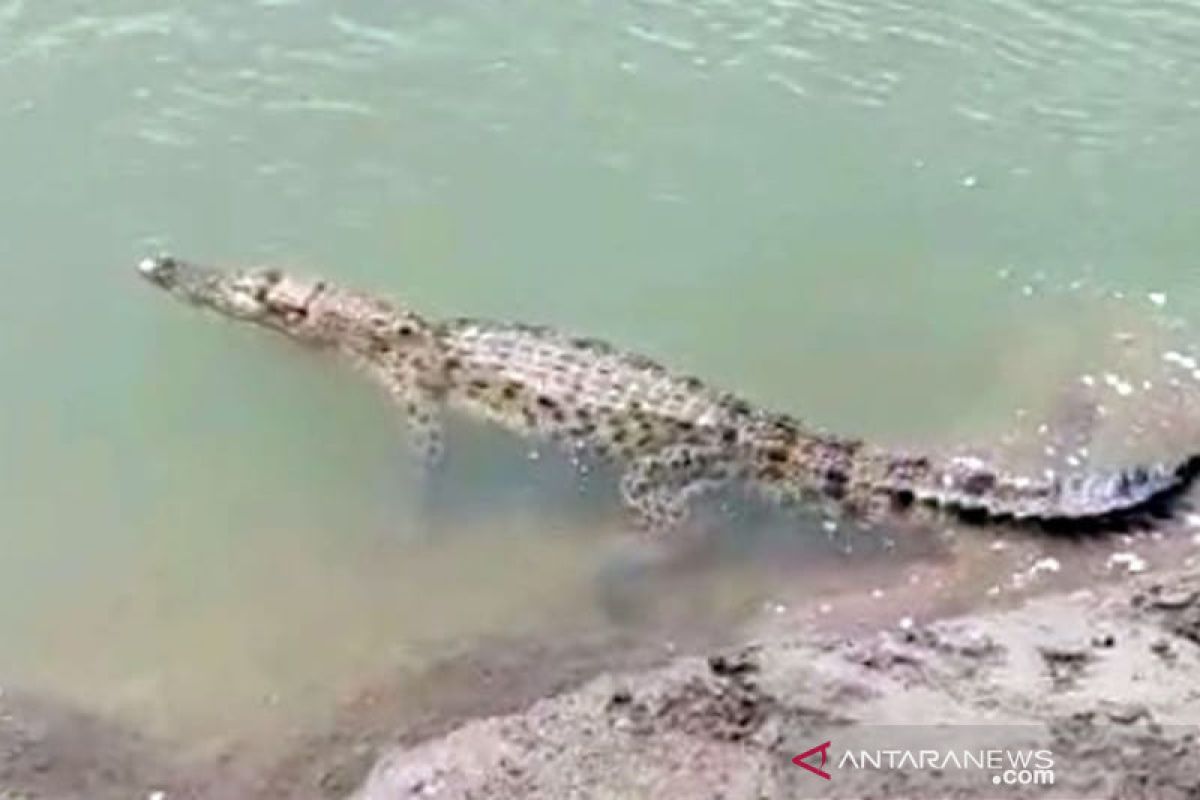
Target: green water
[{"x": 810, "y": 202}]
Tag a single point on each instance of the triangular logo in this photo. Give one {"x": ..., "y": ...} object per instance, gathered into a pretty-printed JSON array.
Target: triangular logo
[{"x": 821, "y": 748}]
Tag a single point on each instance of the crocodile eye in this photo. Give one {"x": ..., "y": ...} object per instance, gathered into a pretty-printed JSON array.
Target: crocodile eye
[
  {"x": 405, "y": 330},
  {"x": 263, "y": 282}
]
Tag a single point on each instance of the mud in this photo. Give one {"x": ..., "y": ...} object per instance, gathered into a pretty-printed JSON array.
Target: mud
[
  {"x": 1105, "y": 678},
  {"x": 50, "y": 750}
]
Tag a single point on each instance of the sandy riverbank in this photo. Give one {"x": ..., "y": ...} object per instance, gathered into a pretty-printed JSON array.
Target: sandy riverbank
[{"x": 1104, "y": 678}]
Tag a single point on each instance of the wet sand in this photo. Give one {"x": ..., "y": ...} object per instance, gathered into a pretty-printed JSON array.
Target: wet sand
[
  {"x": 1104, "y": 679},
  {"x": 1102, "y": 676}
]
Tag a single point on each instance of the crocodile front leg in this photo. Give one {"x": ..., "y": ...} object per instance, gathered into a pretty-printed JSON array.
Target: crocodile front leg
[
  {"x": 660, "y": 487},
  {"x": 421, "y": 406}
]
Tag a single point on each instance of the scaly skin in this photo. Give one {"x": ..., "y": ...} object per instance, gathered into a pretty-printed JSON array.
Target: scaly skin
[{"x": 673, "y": 436}]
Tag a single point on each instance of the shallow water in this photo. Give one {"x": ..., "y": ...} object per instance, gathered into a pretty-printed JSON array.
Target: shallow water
[{"x": 893, "y": 220}]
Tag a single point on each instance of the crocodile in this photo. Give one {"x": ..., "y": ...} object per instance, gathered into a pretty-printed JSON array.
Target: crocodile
[{"x": 672, "y": 437}]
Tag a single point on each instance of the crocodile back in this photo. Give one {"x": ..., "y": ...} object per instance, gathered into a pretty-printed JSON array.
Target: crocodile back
[{"x": 535, "y": 379}]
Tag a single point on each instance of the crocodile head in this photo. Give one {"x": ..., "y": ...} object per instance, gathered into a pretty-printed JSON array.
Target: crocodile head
[{"x": 308, "y": 310}]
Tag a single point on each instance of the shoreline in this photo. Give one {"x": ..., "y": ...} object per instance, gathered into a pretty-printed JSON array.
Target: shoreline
[{"x": 1103, "y": 677}]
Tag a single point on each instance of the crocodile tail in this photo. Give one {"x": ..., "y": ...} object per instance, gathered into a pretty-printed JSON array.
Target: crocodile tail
[{"x": 968, "y": 487}]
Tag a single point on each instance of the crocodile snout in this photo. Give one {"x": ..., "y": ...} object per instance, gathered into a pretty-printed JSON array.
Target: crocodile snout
[{"x": 159, "y": 269}]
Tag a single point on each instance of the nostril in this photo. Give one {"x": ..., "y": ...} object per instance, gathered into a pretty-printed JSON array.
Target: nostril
[{"x": 156, "y": 268}]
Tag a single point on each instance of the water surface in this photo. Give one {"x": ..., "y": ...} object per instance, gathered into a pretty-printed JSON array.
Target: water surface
[{"x": 895, "y": 220}]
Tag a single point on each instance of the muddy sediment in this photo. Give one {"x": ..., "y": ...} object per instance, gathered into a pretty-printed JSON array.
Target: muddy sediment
[
  {"x": 1105, "y": 679},
  {"x": 50, "y": 750}
]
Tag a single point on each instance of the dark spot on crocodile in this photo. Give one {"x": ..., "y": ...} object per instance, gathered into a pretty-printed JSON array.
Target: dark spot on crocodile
[
  {"x": 452, "y": 364},
  {"x": 480, "y": 384},
  {"x": 646, "y": 440},
  {"x": 618, "y": 435},
  {"x": 909, "y": 467},
  {"x": 979, "y": 483},
  {"x": 740, "y": 407},
  {"x": 903, "y": 498},
  {"x": 594, "y": 345},
  {"x": 405, "y": 330},
  {"x": 729, "y": 435},
  {"x": 777, "y": 454},
  {"x": 682, "y": 460},
  {"x": 834, "y": 491},
  {"x": 786, "y": 425},
  {"x": 975, "y": 515},
  {"x": 510, "y": 391},
  {"x": 684, "y": 426},
  {"x": 638, "y": 486},
  {"x": 638, "y": 361}
]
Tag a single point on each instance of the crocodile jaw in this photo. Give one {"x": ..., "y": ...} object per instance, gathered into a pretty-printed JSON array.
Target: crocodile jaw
[{"x": 242, "y": 295}]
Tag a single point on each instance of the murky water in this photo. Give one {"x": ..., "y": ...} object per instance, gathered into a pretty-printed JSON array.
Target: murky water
[{"x": 892, "y": 219}]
